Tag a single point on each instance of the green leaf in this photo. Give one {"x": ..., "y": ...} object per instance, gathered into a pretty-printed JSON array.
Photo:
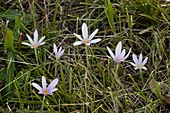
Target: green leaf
[
  {"x": 110, "y": 14},
  {"x": 9, "y": 40},
  {"x": 17, "y": 27},
  {"x": 10, "y": 72}
]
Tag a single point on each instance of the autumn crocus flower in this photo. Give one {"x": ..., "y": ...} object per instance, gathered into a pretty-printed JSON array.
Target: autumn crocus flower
[
  {"x": 44, "y": 89},
  {"x": 58, "y": 52},
  {"x": 138, "y": 63},
  {"x": 119, "y": 54},
  {"x": 34, "y": 43},
  {"x": 86, "y": 40}
]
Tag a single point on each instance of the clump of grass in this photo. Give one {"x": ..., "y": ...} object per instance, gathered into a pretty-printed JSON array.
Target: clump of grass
[{"x": 89, "y": 81}]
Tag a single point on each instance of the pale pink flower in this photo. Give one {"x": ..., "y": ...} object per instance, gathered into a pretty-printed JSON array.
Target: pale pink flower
[
  {"x": 119, "y": 54},
  {"x": 86, "y": 40},
  {"x": 44, "y": 89},
  {"x": 58, "y": 52},
  {"x": 34, "y": 43},
  {"x": 138, "y": 63}
]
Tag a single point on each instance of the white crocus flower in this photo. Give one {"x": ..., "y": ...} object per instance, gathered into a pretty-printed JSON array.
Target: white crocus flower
[
  {"x": 138, "y": 63},
  {"x": 119, "y": 54},
  {"x": 168, "y": 0},
  {"x": 86, "y": 40},
  {"x": 34, "y": 44},
  {"x": 44, "y": 89},
  {"x": 58, "y": 52}
]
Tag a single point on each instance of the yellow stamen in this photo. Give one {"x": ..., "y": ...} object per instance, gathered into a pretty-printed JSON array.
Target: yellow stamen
[
  {"x": 139, "y": 66},
  {"x": 35, "y": 46},
  {"x": 46, "y": 91},
  {"x": 117, "y": 60},
  {"x": 86, "y": 41}
]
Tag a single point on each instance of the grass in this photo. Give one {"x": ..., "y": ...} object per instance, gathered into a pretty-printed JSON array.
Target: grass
[{"x": 89, "y": 81}]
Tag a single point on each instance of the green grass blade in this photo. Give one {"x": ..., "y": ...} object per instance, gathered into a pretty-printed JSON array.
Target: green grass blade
[{"x": 110, "y": 14}]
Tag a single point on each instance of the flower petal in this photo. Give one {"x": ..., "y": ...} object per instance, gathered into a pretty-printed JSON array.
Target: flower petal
[
  {"x": 53, "y": 84},
  {"x": 60, "y": 49},
  {"x": 30, "y": 39},
  {"x": 77, "y": 43},
  {"x": 61, "y": 53},
  {"x": 93, "y": 34},
  {"x": 140, "y": 58},
  {"x": 135, "y": 59},
  {"x": 78, "y": 36},
  {"x": 127, "y": 54},
  {"x": 136, "y": 68},
  {"x": 44, "y": 84},
  {"x": 27, "y": 44},
  {"x": 122, "y": 54},
  {"x": 84, "y": 30},
  {"x": 35, "y": 36},
  {"x": 54, "y": 89},
  {"x": 143, "y": 67},
  {"x": 145, "y": 60},
  {"x": 95, "y": 40},
  {"x": 40, "y": 41},
  {"x": 111, "y": 53},
  {"x": 118, "y": 48},
  {"x": 133, "y": 64},
  {"x": 54, "y": 48},
  {"x": 37, "y": 87}
]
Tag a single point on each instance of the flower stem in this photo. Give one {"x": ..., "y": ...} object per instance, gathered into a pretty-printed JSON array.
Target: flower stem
[
  {"x": 141, "y": 76},
  {"x": 43, "y": 103},
  {"x": 36, "y": 55},
  {"x": 116, "y": 76},
  {"x": 87, "y": 58}
]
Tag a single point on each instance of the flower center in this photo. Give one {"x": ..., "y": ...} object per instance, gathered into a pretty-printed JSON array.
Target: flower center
[
  {"x": 117, "y": 60},
  {"x": 35, "y": 46},
  {"x": 46, "y": 91},
  {"x": 139, "y": 66},
  {"x": 57, "y": 55},
  {"x": 86, "y": 41}
]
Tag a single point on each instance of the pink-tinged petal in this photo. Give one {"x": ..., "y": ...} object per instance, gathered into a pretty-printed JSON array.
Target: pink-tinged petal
[
  {"x": 93, "y": 34},
  {"x": 111, "y": 53},
  {"x": 133, "y": 64},
  {"x": 77, "y": 43},
  {"x": 143, "y": 67},
  {"x": 136, "y": 68},
  {"x": 37, "y": 87},
  {"x": 30, "y": 39},
  {"x": 88, "y": 44},
  {"x": 140, "y": 58},
  {"x": 40, "y": 41},
  {"x": 118, "y": 48},
  {"x": 35, "y": 36},
  {"x": 54, "y": 48},
  {"x": 135, "y": 59},
  {"x": 54, "y": 89},
  {"x": 44, "y": 84},
  {"x": 145, "y": 60},
  {"x": 78, "y": 36},
  {"x": 84, "y": 30},
  {"x": 59, "y": 49},
  {"x": 53, "y": 84},
  {"x": 41, "y": 92},
  {"x": 95, "y": 40},
  {"x": 27, "y": 44},
  {"x": 127, "y": 54},
  {"x": 122, "y": 54},
  {"x": 62, "y": 52}
]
